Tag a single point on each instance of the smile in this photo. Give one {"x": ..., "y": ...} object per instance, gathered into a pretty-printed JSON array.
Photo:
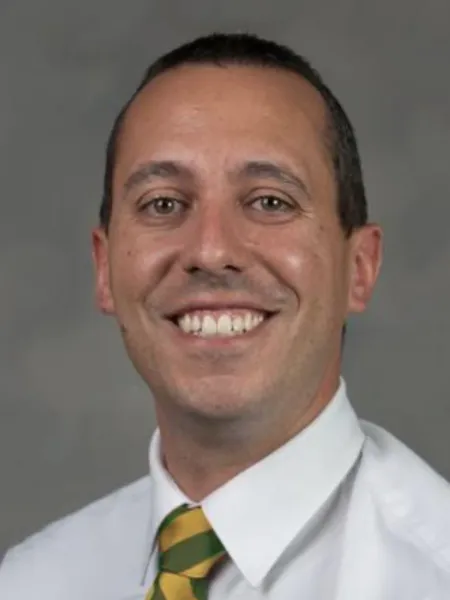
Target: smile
[{"x": 220, "y": 323}]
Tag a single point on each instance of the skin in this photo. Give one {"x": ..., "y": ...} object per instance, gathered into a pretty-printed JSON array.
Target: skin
[{"x": 232, "y": 234}]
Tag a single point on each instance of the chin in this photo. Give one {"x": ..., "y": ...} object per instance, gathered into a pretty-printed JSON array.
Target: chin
[{"x": 219, "y": 401}]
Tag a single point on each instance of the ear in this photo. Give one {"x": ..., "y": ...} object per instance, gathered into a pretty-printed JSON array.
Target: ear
[
  {"x": 365, "y": 263},
  {"x": 100, "y": 257}
]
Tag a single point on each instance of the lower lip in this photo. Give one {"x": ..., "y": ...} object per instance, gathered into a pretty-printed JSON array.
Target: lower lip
[{"x": 218, "y": 341}]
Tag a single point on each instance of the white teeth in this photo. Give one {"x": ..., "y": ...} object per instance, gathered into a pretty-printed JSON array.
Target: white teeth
[
  {"x": 248, "y": 321},
  {"x": 185, "y": 323},
  {"x": 256, "y": 320},
  {"x": 196, "y": 324},
  {"x": 209, "y": 326},
  {"x": 238, "y": 324},
  {"x": 225, "y": 325}
]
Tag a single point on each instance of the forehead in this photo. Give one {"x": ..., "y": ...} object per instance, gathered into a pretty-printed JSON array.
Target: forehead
[{"x": 208, "y": 112}]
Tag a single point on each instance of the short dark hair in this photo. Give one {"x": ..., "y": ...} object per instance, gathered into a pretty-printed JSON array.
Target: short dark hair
[{"x": 249, "y": 50}]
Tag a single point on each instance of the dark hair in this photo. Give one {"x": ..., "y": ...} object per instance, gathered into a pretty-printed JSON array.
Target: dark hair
[{"x": 248, "y": 50}]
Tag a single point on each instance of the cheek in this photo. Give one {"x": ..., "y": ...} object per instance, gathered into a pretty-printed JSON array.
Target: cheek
[
  {"x": 136, "y": 267},
  {"x": 303, "y": 262}
]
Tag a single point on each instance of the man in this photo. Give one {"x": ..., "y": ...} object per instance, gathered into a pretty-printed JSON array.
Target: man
[{"x": 233, "y": 245}]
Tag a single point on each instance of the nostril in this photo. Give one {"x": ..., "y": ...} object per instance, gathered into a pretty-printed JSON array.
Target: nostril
[{"x": 194, "y": 269}]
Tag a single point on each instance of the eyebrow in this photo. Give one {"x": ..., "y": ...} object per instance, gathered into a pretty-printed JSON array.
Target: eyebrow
[
  {"x": 269, "y": 170},
  {"x": 164, "y": 169},
  {"x": 169, "y": 169}
]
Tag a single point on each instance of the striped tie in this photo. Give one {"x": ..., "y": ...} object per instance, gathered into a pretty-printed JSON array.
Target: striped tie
[{"x": 188, "y": 550}]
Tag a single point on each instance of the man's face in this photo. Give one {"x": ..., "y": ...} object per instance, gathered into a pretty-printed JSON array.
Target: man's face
[{"x": 225, "y": 262}]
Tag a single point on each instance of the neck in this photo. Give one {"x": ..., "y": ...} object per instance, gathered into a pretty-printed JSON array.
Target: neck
[{"x": 202, "y": 454}]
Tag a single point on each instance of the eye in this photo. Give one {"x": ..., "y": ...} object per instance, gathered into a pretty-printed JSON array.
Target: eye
[
  {"x": 271, "y": 203},
  {"x": 163, "y": 206}
]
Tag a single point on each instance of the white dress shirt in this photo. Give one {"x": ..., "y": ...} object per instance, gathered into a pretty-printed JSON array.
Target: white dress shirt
[{"x": 343, "y": 511}]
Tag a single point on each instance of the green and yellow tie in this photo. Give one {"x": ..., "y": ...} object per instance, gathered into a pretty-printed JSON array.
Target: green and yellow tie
[{"x": 188, "y": 550}]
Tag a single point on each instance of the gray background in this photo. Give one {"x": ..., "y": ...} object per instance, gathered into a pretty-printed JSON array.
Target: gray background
[{"x": 74, "y": 418}]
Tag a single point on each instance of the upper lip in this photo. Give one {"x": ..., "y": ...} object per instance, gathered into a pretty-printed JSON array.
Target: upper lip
[{"x": 216, "y": 304}]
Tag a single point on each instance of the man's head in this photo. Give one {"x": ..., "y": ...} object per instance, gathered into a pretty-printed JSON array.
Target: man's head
[{"x": 233, "y": 199}]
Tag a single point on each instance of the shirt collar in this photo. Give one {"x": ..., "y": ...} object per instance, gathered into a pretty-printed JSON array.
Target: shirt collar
[{"x": 259, "y": 512}]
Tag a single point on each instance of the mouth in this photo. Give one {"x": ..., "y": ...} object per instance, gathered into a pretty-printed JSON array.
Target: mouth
[{"x": 221, "y": 324}]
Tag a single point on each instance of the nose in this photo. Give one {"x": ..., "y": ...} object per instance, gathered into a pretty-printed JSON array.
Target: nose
[{"x": 215, "y": 241}]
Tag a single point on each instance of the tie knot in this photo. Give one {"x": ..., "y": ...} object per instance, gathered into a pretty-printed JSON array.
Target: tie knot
[{"x": 187, "y": 543}]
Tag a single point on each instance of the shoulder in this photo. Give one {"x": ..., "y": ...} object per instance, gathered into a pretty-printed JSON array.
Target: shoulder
[
  {"x": 81, "y": 548},
  {"x": 412, "y": 499}
]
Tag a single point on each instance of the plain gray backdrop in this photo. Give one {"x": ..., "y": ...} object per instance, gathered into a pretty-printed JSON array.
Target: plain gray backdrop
[{"x": 75, "y": 420}]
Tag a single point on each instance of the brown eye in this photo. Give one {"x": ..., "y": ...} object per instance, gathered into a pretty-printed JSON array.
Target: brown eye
[
  {"x": 163, "y": 206},
  {"x": 271, "y": 204}
]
